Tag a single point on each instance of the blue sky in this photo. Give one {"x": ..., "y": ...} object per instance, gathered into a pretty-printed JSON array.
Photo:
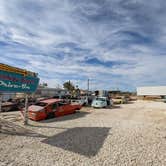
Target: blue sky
[{"x": 115, "y": 43}]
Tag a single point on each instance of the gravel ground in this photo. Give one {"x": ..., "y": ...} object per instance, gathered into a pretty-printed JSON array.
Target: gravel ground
[{"x": 129, "y": 134}]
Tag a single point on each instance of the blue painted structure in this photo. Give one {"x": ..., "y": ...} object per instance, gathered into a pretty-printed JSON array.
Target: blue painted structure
[{"x": 13, "y": 82}]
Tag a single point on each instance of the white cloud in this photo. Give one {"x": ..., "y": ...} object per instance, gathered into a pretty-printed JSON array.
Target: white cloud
[{"x": 101, "y": 29}]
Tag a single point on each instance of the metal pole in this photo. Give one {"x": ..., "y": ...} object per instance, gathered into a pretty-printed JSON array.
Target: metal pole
[
  {"x": 26, "y": 110},
  {"x": 87, "y": 95},
  {"x": 88, "y": 87}
]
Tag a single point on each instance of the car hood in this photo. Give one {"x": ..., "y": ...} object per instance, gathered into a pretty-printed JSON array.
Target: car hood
[
  {"x": 98, "y": 102},
  {"x": 35, "y": 108}
]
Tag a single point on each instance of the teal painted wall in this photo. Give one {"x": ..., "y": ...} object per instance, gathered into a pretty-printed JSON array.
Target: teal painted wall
[{"x": 12, "y": 82}]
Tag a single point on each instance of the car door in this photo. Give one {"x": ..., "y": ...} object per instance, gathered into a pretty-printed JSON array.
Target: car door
[
  {"x": 60, "y": 109},
  {"x": 64, "y": 109},
  {"x": 52, "y": 109},
  {"x": 68, "y": 108}
]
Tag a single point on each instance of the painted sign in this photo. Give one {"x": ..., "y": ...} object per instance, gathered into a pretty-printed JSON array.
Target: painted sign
[{"x": 14, "y": 82}]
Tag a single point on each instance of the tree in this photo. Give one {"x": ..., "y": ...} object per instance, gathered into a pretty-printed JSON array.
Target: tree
[
  {"x": 69, "y": 86},
  {"x": 43, "y": 85},
  {"x": 77, "y": 91}
]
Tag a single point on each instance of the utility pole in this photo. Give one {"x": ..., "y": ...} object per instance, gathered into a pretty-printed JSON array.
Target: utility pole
[{"x": 88, "y": 87}]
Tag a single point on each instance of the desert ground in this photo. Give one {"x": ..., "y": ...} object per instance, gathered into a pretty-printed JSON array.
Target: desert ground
[{"x": 128, "y": 134}]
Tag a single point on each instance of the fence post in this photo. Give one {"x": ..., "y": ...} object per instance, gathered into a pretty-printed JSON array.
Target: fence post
[
  {"x": 26, "y": 110},
  {"x": 0, "y": 109},
  {"x": 0, "y": 102}
]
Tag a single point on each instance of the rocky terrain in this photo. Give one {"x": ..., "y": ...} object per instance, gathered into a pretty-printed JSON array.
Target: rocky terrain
[{"x": 129, "y": 134}]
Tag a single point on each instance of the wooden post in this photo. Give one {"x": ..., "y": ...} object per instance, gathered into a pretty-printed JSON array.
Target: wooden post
[
  {"x": 0, "y": 102},
  {"x": 26, "y": 110},
  {"x": 0, "y": 109}
]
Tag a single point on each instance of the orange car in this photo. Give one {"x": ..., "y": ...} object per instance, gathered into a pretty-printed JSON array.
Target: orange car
[{"x": 51, "y": 108}]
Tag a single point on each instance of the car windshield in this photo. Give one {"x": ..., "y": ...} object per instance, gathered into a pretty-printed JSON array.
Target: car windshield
[
  {"x": 41, "y": 104},
  {"x": 62, "y": 103},
  {"x": 100, "y": 99},
  {"x": 118, "y": 97}
]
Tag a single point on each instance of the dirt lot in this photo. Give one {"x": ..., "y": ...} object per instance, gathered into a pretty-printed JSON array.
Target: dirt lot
[{"x": 129, "y": 134}]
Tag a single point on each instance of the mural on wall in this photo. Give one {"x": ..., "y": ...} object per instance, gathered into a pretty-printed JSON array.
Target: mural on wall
[{"x": 14, "y": 82}]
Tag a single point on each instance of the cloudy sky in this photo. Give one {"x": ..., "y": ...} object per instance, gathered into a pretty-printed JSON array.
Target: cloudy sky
[{"x": 115, "y": 43}]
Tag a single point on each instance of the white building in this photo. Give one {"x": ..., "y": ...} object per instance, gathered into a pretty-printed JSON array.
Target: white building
[
  {"x": 151, "y": 91},
  {"x": 7, "y": 96},
  {"x": 50, "y": 92},
  {"x": 40, "y": 92}
]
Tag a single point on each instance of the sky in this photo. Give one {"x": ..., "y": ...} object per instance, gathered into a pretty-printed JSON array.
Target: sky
[{"x": 117, "y": 44}]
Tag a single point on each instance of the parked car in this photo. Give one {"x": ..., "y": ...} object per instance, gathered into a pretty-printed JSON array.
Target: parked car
[
  {"x": 163, "y": 99},
  {"x": 51, "y": 108},
  {"x": 9, "y": 106},
  {"x": 120, "y": 100},
  {"x": 82, "y": 100},
  {"x": 100, "y": 102}
]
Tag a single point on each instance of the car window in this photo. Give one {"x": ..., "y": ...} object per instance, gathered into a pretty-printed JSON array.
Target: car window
[
  {"x": 100, "y": 99},
  {"x": 61, "y": 104},
  {"x": 118, "y": 98},
  {"x": 41, "y": 104},
  {"x": 54, "y": 106}
]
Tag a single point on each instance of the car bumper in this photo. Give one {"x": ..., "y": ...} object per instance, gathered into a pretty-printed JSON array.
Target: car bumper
[{"x": 37, "y": 116}]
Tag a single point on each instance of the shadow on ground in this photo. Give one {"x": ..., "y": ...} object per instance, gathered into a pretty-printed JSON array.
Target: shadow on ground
[
  {"x": 130, "y": 102},
  {"x": 78, "y": 114},
  {"x": 108, "y": 107},
  {"x": 86, "y": 141},
  {"x": 48, "y": 127},
  {"x": 115, "y": 107},
  {"x": 10, "y": 128}
]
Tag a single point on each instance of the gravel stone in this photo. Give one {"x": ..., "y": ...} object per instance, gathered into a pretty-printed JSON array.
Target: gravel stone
[{"x": 132, "y": 134}]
